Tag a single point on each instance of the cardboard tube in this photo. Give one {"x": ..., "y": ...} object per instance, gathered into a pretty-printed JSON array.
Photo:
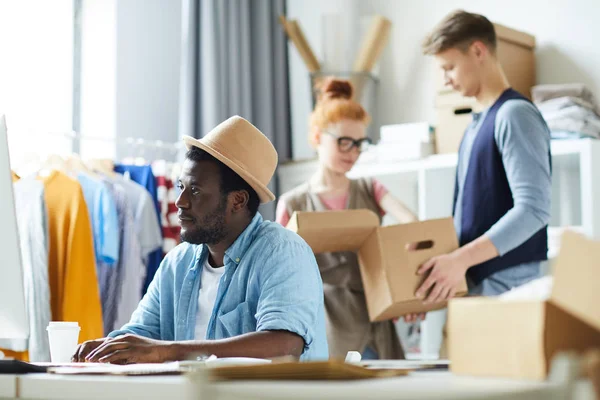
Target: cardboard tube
[
  {"x": 373, "y": 44},
  {"x": 294, "y": 32},
  {"x": 309, "y": 56}
]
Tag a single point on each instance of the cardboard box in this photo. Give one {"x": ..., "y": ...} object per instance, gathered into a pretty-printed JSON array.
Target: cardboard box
[
  {"x": 519, "y": 339},
  {"x": 387, "y": 267},
  {"x": 515, "y": 52},
  {"x": 454, "y": 114}
]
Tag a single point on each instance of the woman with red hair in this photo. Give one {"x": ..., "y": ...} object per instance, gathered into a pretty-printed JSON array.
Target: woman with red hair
[{"x": 338, "y": 133}]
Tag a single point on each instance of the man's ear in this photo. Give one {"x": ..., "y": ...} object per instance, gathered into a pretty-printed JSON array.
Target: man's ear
[
  {"x": 239, "y": 200},
  {"x": 479, "y": 49}
]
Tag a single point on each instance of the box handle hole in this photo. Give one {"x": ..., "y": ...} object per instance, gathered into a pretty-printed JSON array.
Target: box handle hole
[
  {"x": 417, "y": 246},
  {"x": 462, "y": 111}
]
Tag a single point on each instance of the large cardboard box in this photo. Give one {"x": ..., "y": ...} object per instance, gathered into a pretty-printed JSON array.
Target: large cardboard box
[
  {"x": 515, "y": 53},
  {"x": 519, "y": 339},
  {"x": 388, "y": 256}
]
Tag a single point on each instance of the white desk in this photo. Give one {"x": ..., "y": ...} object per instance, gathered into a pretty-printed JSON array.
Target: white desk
[
  {"x": 8, "y": 386},
  {"x": 430, "y": 385}
]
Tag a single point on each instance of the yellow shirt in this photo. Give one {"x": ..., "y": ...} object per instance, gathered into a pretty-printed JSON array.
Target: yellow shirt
[{"x": 74, "y": 292}]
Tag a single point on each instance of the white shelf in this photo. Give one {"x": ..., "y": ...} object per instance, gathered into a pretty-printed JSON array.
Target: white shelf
[{"x": 443, "y": 161}]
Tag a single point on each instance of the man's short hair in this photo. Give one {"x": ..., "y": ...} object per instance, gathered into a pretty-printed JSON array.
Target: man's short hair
[
  {"x": 459, "y": 30},
  {"x": 230, "y": 181}
]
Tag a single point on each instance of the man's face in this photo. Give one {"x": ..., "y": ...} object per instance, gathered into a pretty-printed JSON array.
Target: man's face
[
  {"x": 202, "y": 207},
  {"x": 462, "y": 69}
]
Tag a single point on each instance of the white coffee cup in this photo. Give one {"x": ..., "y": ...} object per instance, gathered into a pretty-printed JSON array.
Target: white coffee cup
[{"x": 63, "y": 338}]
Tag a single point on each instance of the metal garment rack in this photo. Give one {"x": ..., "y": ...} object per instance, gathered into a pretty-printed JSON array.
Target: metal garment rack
[{"x": 174, "y": 147}]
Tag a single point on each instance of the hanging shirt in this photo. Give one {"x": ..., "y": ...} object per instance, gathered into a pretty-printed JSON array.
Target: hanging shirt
[
  {"x": 147, "y": 227},
  {"x": 114, "y": 281},
  {"x": 103, "y": 215},
  {"x": 33, "y": 241},
  {"x": 74, "y": 294},
  {"x": 167, "y": 195},
  {"x": 209, "y": 286},
  {"x": 144, "y": 239},
  {"x": 33, "y": 238},
  {"x": 142, "y": 174}
]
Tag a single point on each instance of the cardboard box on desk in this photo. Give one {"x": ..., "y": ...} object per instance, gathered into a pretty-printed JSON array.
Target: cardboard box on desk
[
  {"x": 518, "y": 339},
  {"x": 387, "y": 267}
]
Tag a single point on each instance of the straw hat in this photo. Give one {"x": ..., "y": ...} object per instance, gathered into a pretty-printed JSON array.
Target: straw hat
[{"x": 243, "y": 148}]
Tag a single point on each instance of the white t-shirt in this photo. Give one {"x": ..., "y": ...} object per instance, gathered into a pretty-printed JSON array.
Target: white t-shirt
[{"x": 209, "y": 285}]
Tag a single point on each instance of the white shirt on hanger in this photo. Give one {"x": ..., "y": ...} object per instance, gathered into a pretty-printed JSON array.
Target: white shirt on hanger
[{"x": 209, "y": 282}]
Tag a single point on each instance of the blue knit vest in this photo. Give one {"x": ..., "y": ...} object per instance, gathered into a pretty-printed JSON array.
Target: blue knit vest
[{"x": 487, "y": 197}]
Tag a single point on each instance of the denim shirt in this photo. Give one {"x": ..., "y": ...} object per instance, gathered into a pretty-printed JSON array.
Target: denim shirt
[{"x": 271, "y": 282}]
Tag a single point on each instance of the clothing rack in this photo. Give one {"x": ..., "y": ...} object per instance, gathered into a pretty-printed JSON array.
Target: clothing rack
[
  {"x": 131, "y": 143},
  {"x": 127, "y": 140}
]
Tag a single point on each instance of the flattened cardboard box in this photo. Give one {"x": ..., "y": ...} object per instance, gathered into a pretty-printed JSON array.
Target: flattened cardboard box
[
  {"x": 519, "y": 339},
  {"x": 388, "y": 268}
]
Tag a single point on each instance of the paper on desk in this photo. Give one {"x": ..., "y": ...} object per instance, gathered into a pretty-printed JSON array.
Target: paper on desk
[
  {"x": 125, "y": 370},
  {"x": 409, "y": 365},
  {"x": 171, "y": 368}
]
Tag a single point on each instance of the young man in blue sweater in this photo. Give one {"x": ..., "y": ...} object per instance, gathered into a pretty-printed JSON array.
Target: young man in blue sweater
[{"x": 503, "y": 182}]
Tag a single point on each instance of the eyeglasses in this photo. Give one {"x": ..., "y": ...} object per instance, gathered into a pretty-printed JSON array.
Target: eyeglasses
[{"x": 345, "y": 143}]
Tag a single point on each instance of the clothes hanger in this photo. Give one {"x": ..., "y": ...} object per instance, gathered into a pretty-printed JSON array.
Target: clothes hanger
[
  {"x": 103, "y": 166},
  {"x": 75, "y": 164},
  {"x": 53, "y": 162},
  {"x": 139, "y": 160}
]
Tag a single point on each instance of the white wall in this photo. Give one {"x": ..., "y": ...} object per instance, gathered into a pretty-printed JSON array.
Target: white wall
[
  {"x": 130, "y": 74},
  {"x": 309, "y": 14},
  {"x": 567, "y": 51},
  {"x": 148, "y": 62}
]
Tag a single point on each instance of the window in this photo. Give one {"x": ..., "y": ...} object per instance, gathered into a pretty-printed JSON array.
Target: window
[{"x": 36, "y": 75}]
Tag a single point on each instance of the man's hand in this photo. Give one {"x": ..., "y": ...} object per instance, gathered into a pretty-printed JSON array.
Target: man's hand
[
  {"x": 85, "y": 348},
  {"x": 446, "y": 273},
  {"x": 130, "y": 349}
]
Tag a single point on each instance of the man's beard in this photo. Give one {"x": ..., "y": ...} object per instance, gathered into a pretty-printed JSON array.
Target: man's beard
[{"x": 211, "y": 229}]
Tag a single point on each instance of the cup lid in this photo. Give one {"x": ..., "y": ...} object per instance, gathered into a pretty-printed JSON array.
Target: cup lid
[{"x": 62, "y": 325}]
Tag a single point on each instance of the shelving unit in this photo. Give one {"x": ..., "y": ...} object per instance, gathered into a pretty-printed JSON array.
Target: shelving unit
[{"x": 576, "y": 184}]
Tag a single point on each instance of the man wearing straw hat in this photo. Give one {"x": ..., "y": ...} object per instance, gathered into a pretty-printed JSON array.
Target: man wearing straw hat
[{"x": 238, "y": 285}]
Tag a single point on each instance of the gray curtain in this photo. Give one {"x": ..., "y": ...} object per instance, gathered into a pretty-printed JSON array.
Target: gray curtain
[{"x": 234, "y": 61}]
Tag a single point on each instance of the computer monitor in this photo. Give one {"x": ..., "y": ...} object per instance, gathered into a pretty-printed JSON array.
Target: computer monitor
[{"x": 14, "y": 324}]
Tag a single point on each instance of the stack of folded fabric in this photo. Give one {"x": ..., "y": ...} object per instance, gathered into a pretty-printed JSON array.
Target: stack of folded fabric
[{"x": 570, "y": 110}]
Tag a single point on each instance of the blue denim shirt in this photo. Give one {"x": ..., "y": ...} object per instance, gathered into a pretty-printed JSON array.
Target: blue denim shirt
[{"x": 271, "y": 282}]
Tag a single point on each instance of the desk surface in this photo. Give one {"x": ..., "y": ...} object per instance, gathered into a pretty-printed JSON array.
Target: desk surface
[
  {"x": 430, "y": 385},
  {"x": 8, "y": 386}
]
